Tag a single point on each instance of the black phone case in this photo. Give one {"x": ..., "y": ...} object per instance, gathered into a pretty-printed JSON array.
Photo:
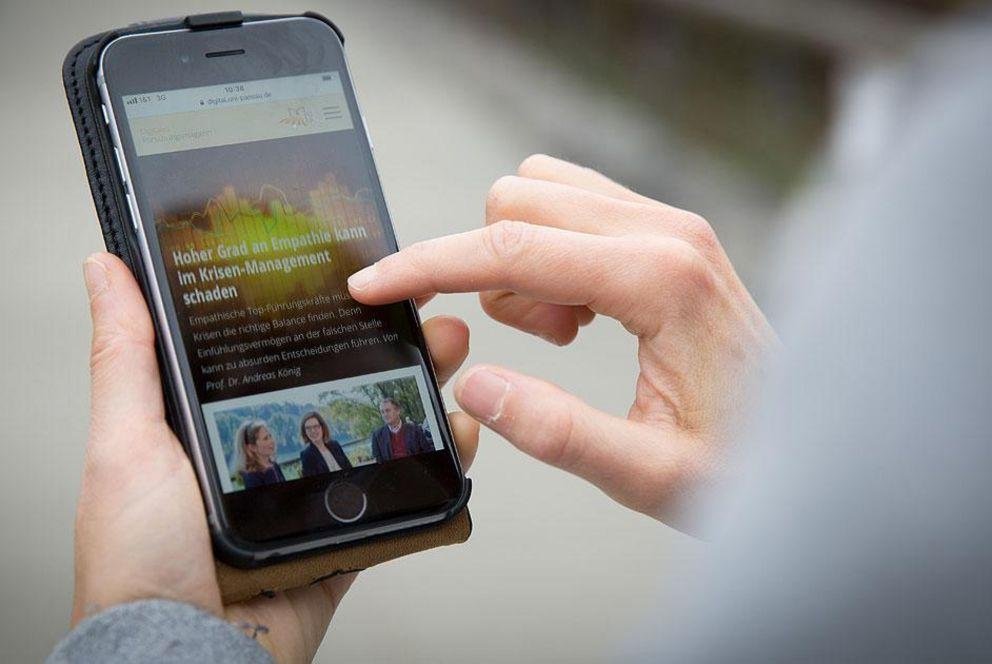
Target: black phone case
[{"x": 79, "y": 78}]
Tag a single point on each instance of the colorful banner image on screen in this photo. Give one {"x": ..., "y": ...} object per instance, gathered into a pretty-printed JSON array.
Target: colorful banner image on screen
[{"x": 264, "y": 438}]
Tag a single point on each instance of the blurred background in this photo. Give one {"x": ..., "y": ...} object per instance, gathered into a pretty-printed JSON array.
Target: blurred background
[{"x": 729, "y": 108}]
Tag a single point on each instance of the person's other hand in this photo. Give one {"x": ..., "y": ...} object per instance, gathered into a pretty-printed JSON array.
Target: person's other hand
[
  {"x": 141, "y": 530},
  {"x": 561, "y": 244}
]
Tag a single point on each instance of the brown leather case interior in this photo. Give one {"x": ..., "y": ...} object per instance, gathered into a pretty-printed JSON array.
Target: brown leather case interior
[{"x": 240, "y": 584}]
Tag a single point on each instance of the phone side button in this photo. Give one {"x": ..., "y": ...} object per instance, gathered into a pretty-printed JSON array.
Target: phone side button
[
  {"x": 106, "y": 118},
  {"x": 120, "y": 165},
  {"x": 368, "y": 136},
  {"x": 131, "y": 211}
]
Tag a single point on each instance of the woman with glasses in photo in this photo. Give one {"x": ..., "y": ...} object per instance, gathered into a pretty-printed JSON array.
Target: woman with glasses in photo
[{"x": 321, "y": 454}]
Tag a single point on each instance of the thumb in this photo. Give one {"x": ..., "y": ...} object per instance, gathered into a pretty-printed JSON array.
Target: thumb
[
  {"x": 560, "y": 429},
  {"x": 123, "y": 367}
]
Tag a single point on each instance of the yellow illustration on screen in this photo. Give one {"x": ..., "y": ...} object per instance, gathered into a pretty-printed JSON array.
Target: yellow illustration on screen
[{"x": 254, "y": 250}]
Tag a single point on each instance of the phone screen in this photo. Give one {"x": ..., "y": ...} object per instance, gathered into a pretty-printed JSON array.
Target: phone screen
[{"x": 258, "y": 197}]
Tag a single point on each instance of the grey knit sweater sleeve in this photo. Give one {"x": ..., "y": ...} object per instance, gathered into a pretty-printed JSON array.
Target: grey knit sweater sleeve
[{"x": 158, "y": 631}]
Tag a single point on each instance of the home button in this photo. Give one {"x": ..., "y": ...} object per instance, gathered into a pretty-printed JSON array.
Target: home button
[{"x": 345, "y": 502}]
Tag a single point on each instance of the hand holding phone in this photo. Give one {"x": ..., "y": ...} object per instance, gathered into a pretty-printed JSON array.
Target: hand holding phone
[{"x": 140, "y": 527}]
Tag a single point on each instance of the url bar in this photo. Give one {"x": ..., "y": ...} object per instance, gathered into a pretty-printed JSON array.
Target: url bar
[
  {"x": 284, "y": 88},
  {"x": 213, "y": 116}
]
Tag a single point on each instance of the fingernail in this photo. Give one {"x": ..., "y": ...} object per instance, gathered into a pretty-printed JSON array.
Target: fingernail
[
  {"x": 96, "y": 277},
  {"x": 482, "y": 394},
  {"x": 361, "y": 279}
]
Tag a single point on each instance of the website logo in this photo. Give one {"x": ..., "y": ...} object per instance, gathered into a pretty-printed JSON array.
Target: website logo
[{"x": 297, "y": 117}]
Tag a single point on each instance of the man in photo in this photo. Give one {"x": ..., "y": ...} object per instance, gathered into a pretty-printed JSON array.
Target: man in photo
[{"x": 397, "y": 439}]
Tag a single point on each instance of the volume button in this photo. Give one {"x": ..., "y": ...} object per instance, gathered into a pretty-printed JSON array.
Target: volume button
[
  {"x": 131, "y": 210},
  {"x": 120, "y": 166},
  {"x": 106, "y": 118}
]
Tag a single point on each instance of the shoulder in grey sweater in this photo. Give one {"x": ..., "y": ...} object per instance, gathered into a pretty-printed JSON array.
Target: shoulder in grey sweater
[{"x": 159, "y": 631}]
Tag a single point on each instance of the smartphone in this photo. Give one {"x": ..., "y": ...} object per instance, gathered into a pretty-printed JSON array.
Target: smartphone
[{"x": 312, "y": 420}]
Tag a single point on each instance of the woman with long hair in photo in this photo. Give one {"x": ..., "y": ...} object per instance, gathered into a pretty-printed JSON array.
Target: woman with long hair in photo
[
  {"x": 255, "y": 455},
  {"x": 321, "y": 454}
]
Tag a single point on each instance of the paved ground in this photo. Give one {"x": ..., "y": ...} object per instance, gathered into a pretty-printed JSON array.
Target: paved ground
[{"x": 554, "y": 571}]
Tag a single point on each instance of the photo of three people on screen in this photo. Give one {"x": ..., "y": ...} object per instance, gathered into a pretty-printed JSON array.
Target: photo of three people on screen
[{"x": 325, "y": 431}]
